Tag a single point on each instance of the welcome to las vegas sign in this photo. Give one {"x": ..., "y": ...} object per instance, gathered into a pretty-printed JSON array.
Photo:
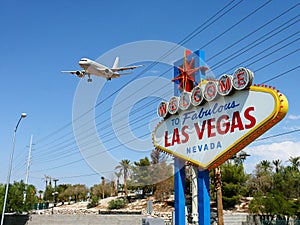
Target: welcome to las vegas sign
[{"x": 217, "y": 119}]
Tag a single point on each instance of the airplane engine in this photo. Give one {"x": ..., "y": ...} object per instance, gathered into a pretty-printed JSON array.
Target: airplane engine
[
  {"x": 79, "y": 74},
  {"x": 109, "y": 72}
]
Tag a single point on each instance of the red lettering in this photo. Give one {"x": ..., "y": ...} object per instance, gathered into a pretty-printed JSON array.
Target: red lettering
[
  {"x": 214, "y": 126},
  {"x": 224, "y": 86},
  {"x": 210, "y": 127},
  {"x": 226, "y": 125},
  {"x": 173, "y": 104},
  {"x": 186, "y": 135},
  {"x": 167, "y": 144},
  {"x": 176, "y": 137},
  {"x": 184, "y": 101},
  {"x": 249, "y": 117},
  {"x": 241, "y": 79},
  {"x": 211, "y": 90},
  {"x": 197, "y": 96},
  {"x": 162, "y": 110},
  {"x": 236, "y": 122},
  {"x": 200, "y": 132}
]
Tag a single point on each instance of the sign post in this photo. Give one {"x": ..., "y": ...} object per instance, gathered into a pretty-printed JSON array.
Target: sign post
[
  {"x": 203, "y": 198},
  {"x": 179, "y": 187},
  {"x": 194, "y": 181}
]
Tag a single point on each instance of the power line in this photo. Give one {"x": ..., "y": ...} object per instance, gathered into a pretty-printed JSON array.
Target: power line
[
  {"x": 251, "y": 33},
  {"x": 256, "y": 42},
  {"x": 281, "y": 74},
  {"x": 276, "y": 60},
  {"x": 104, "y": 126},
  {"x": 267, "y": 55},
  {"x": 93, "y": 155},
  {"x": 240, "y": 21},
  {"x": 277, "y": 135}
]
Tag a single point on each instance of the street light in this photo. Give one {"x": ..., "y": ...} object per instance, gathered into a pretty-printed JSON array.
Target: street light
[{"x": 23, "y": 115}]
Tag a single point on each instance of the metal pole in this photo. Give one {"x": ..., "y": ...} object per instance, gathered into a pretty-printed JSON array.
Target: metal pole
[
  {"x": 10, "y": 168},
  {"x": 195, "y": 194},
  {"x": 179, "y": 187},
  {"x": 28, "y": 160},
  {"x": 28, "y": 165},
  {"x": 55, "y": 192},
  {"x": 203, "y": 198}
]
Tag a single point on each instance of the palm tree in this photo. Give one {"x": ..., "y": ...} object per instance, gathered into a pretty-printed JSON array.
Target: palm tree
[
  {"x": 265, "y": 165},
  {"x": 295, "y": 161},
  {"x": 124, "y": 167},
  {"x": 277, "y": 164},
  {"x": 40, "y": 194},
  {"x": 240, "y": 158},
  {"x": 218, "y": 189}
]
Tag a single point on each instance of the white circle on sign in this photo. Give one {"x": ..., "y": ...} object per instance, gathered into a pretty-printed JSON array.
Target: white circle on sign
[
  {"x": 225, "y": 85},
  {"x": 162, "y": 109},
  {"x": 210, "y": 91},
  {"x": 197, "y": 96},
  {"x": 185, "y": 100},
  {"x": 173, "y": 105},
  {"x": 242, "y": 78}
]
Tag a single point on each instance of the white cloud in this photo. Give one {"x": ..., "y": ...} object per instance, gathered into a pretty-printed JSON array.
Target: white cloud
[
  {"x": 294, "y": 117},
  {"x": 282, "y": 150}
]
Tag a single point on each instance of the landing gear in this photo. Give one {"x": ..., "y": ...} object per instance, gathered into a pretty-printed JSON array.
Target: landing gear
[
  {"x": 108, "y": 78},
  {"x": 89, "y": 79}
]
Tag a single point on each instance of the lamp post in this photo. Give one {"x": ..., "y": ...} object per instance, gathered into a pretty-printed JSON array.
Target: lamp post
[{"x": 23, "y": 115}]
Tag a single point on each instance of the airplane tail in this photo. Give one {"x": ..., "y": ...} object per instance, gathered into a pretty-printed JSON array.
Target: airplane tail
[{"x": 116, "y": 63}]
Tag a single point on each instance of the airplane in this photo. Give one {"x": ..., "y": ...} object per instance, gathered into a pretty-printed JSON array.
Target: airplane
[{"x": 91, "y": 67}]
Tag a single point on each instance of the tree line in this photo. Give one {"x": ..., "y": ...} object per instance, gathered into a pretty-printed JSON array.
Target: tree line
[{"x": 274, "y": 188}]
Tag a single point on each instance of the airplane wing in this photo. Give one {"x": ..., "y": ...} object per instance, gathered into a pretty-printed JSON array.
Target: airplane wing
[
  {"x": 78, "y": 73},
  {"x": 125, "y": 68},
  {"x": 116, "y": 75},
  {"x": 71, "y": 72}
]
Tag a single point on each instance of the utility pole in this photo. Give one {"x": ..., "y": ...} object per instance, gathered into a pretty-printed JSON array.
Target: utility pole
[
  {"x": 55, "y": 192},
  {"x": 103, "y": 184},
  {"x": 28, "y": 166},
  {"x": 46, "y": 178}
]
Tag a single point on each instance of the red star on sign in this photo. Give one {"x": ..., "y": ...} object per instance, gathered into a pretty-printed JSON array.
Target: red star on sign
[{"x": 186, "y": 79}]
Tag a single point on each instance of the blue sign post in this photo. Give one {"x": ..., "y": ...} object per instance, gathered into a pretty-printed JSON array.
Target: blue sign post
[
  {"x": 203, "y": 198},
  {"x": 179, "y": 187},
  {"x": 203, "y": 176},
  {"x": 179, "y": 165}
]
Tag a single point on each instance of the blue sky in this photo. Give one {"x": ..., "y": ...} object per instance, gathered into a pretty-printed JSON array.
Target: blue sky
[{"x": 39, "y": 39}]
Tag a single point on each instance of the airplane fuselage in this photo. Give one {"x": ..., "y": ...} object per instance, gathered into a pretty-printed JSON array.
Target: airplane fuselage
[{"x": 92, "y": 67}]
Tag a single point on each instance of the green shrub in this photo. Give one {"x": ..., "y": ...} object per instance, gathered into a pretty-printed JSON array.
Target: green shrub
[
  {"x": 93, "y": 203},
  {"x": 116, "y": 204}
]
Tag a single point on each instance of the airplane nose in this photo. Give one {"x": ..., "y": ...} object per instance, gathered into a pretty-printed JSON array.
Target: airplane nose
[{"x": 83, "y": 63}]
